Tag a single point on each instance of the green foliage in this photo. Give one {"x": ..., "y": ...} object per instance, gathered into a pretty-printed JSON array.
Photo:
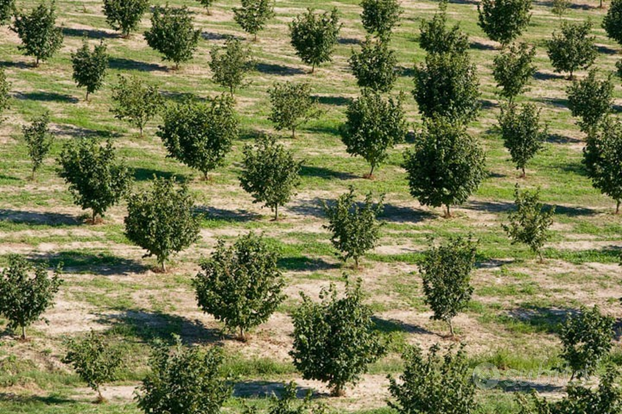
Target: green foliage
[
  {"x": 434, "y": 383},
  {"x": 436, "y": 38},
  {"x": 200, "y": 134},
  {"x": 560, "y": 7},
  {"x": 445, "y": 166},
  {"x": 374, "y": 66},
  {"x": 573, "y": 48},
  {"x": 207, "y": 4},
  {"x": 612, "y": 22},
  {"x": 38, "y": 33},
  {"x": 314, "y": 36},
  {"x": 240, "y": 285},
  {"x": 292, "y": 105},
  {"x": 373, "y": 126},
  {"x": 89, "y": 68},
  {"x": 5, "y": 93},
  {"x": 513, "y": 69},
  {"x": 530, "y": 223},
  {"x": 184, "y": 380},
  {"x": 161, "y": 220},
  {"x": 522, "y": 133},
  {"x": 591, "y": 100},
  {"x": 6, "y": 10},
  {"x": 253, "y": 15},
  {"x": 172, "y": 34},
  {"x": 231, "y": 67},
  {"x": 380, "y": 17},
  {"x": 355, "y": 229},
  {"x": 38, "y": 140},
  {"x": 334, "y": 340},
  {"x": 270, "y": 173},
  {"x": 125, "y": 15},
  {"x": 135, "y": 102},
  {"x": 446, "y": 273},
  {"x": 504, "y": 20},
  {"x": 96, "y": 180},
  {"x": 288, "y": 403},
  {"x": 26, "y": 292}
]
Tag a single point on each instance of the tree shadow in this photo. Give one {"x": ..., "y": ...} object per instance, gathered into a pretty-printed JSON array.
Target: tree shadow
[
  {"x": 399, "y": 214},
  {"x": 131, "y": 64},
  {"x": 544, "y": 76},
  {"x": 406, "y": 71},
  {"x": 493, "y": 263},
  {"x": 325, "y": 173},
  {"x": 46, "y": 97},
  {"x": 182, "y": 96},
  {"x": 324, "y": 129},
  {"x": 561, "y": 139},
  {"x": 34, "y": 399},
  {"x": 518, "y": 385},
  {"x": 75, "y": 261},
  {"x": 349, "y": 41},
  {"x": 232, "y": 216},
  {"x": 301, "y": 263},
  {"x": 267, "y": 389},
  {"x": 556, "y": 102},
  {"x": 506, "y": 206},
  {"x": 147, "y": 174},
  {"x": 79, "y": 132},
  {"x": 16, "y": 65},
  {"x": 605, "y": 50},
  {"x": 332, "y": 100},
  {"x": 394, "y": 325},
  {"x": 542, "y": 319},
  {"x": 481, "y": 46},
  {"x": 472, "y": 2},
  {"x": 308, "y": 207},
  {"x": 277, "y": 69},
  {"x": 89, "y": 33},
  {"x": 487, "y": 104},
  {"x": 34, "y": 218},
  {"x": 215, "y": 36},
  {"x": 5, "y": 177}
]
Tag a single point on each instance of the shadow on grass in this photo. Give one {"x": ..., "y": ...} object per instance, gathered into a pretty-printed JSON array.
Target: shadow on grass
[
  {"x": 131, "y": 64},
  {"x": 267, "y": 389},
  {"x": 561, "y": 139},
  {"x": 276, "y": 69},
  {"x": 75, "y": 261},
  {"x": 79, "y": 132},
  {"x": 332, "y": 100},
  {"x": 16, "y": 65},
  {"x": 216, "y": 36},
  {"x": 481, "y": 46},
  {"x": 543, "y": 76},
  {"x": 306, "y": 263},
  {"x": 147, "y": 174},
  {"x": 539, "y": 319},
  {"x": 47, "y": 97},
  {"x": 349, "y": 41},
  {"x": 232, "y": 216},
  {"x": 506, "y": 206},
  {"x": 400, "y": 214},
  {"x": 406, "y": 71},
  {"x": 517, "y": 385},
  {"x": 605, "y": 50},
  {"x": 393, "y": 325},
  {"x": 34, "y": 399},
  {"x": 308, "y": 207},
  {"x": 89, "y": 33},
  {"x": 325, "y": 173},
  {"x": 34, "y": 218}
]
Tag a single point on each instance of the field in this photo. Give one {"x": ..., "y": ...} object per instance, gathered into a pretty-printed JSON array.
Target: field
[{"x": 518, "y": 302}]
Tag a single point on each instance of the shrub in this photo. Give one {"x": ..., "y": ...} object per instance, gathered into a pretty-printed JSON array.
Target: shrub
[
  {"x": 379, "y": 17},
  {"x": 38, "y": 140},
  {"x": 513, "y": 69},
  {"x": 253, "y": 15},
  {"x": 292, "y": 106},
  {"x": 334, "y": 340},
  {"x": 26, "y": 292},
  {"x": 6, "y": 10},
  {"x": 240, "y": 285},
  {"x": 200, "y": 134},
  {"x": 270, "y": 173},
  {"x": 125, "y": 15},
  {"x": 374, "y": 66},
  {"x": 504, "y": 20},
  {"x": 38, "y": 32},
  {"x": 435, "y": 37},
  {"x": 231, "y": 67},
  {"x": 373, "y": 126},
  {"x": 573, "y": 48},
  {"x": 314, "y": 36},
  {"x": 591, "y": 100},
  {"x": 560, "y": 7},
  {"x": 612, "y": 22},
  {"x": 135, "y": 102},
  {"x": 161, "y": 220},
  {"x": 207, "y": 4},
  {"x": 89, "y": 68},
  {"x": 5, "y": 93}
]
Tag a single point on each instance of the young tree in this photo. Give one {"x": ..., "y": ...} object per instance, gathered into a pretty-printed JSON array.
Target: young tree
[
  {"x": 231, "y": 67},
  {"x": 522, "y": 133},
  {"x": 612, "y": 22},
  {"x": 5, "y": 93},
  {"x": 270, "y": 173},
  {"x": 188, "y": 380},
  {"x": 135, "y": 102},
  {"x": 504, "y": 20},
  {"x": 125, "y": 15},
  {"x": 435, "y": 37},
  {"x": 355, "y": 229},
  {"x": 379, "y": 17},
  {"x": 253, "y": 15},
  {"x": 161, "y": 220},
  {"x": 560, "y": 7},
  {"x": 446, "y": 85},
  {"x": 6, "y": 10},
  {"x": 374, "y": 66},
  {"x": 38, "y": 32},
  {"x": 314, "y": 36},
  {"x": 38, "y": 140},
  {"x": 89, "y": 68},
  {"x": 513, "y": 69},
  {"x": 172, "y": 34},
  {"x": 573, "y": 48},
  {"x": 292, "y": 106},
  {"x": 96, "y": 179},
  {"x": 434, "y": 383},
  {"x": 373, "y": 126},
  {"x": 530, "y": 223},
  {"x": 240, "y": 285},
  {"x": 334, "y": 340},
  {"x": 95, "y": 360},
  {"x": 26, "y": 292},
  {"x": 207, "y": 4},
  {"x": 200, "y": 134},
  {"x": 591, "y": 100},
  {"x": 445, "y": 166}
]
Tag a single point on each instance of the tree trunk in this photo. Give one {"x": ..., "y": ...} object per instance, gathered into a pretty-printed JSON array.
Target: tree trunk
[
  {"x": 451, "y": 328},
  {"x": 618, "y": 206},
  {"x": 276, "y": 212},
  {"x": 338, "y": 391},
  {"x": 93, "y": 217},
  {"x": 255, "y": 38},
  {"x": 32, "y": 174},
  {"x": 142, "y": 130},
  {"x": 371, "y": 172},
  {"x": 523, "y": 173},
  {"x": 294, "y": 133},
  {"x": 541, "y": 257},
  {"x": 242, "y": 335},
  {"x": 163, "y": 266},
  {"x": 23, "y": 332},
  {"x": 312, "y": 68},
  {"x": 447, "y": 211},
  {"x": 87, "y": 96}
]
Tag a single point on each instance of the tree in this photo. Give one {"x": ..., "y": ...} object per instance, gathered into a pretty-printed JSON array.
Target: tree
[
  {"x": 95, "y": 360},
  {"x": 374, "y": 66},
  {"x": 530, "y": 223},
  {"x": 591, "y": 100},
  {"x": 560, "y": 7},
  {"x": 612, "y": 22},
  {"x": 446, "y": 273},
  {"x": 434, "y": 384},
  {"x": 314, "y": 36},
  {"x": 172, "y": 34},
  {"x": 184, "y": 380},
  {"x": 513, "y": 69},
  {"x": 334, "y": 340},
  {"x": 253, "y": 15},
  {"x": 446, "y": 85},
  {"x": 380, "y": 17},
  {"x": 38, "y": 140},
  {"x": 207, "y": 4},
  {"x": 231, "y": 67},
  {"x": 373, "y": 126},
  {"x": 26, "y": 292},
  {"x": 573, "y": 48},
  {"x": 445, "y": 166},
  {"x": 6, "y": 10},
  {"x": 601, "y": 157},
  {"x": 135, "y": 102},
  {"x": 270, "y": 173},
  {"x": 504, "y": 20},
  {"x": 89, "y": 68},
  {"x": 96, "y": 179},
  {"x": 436, "y": 38},
  {"x": 200, "y": 134},
  {"x": 5, "y": 93},
  {"x": 240, "y": 285},
  {"x": 292, "y": 105},
  {"x": 38, "y": 32},
  {"x": 355, "y": 229},
  {"x": 161, "y": 220},
  {"x": 522, "y": 133},
  {"x": 125, "y": 15}
]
